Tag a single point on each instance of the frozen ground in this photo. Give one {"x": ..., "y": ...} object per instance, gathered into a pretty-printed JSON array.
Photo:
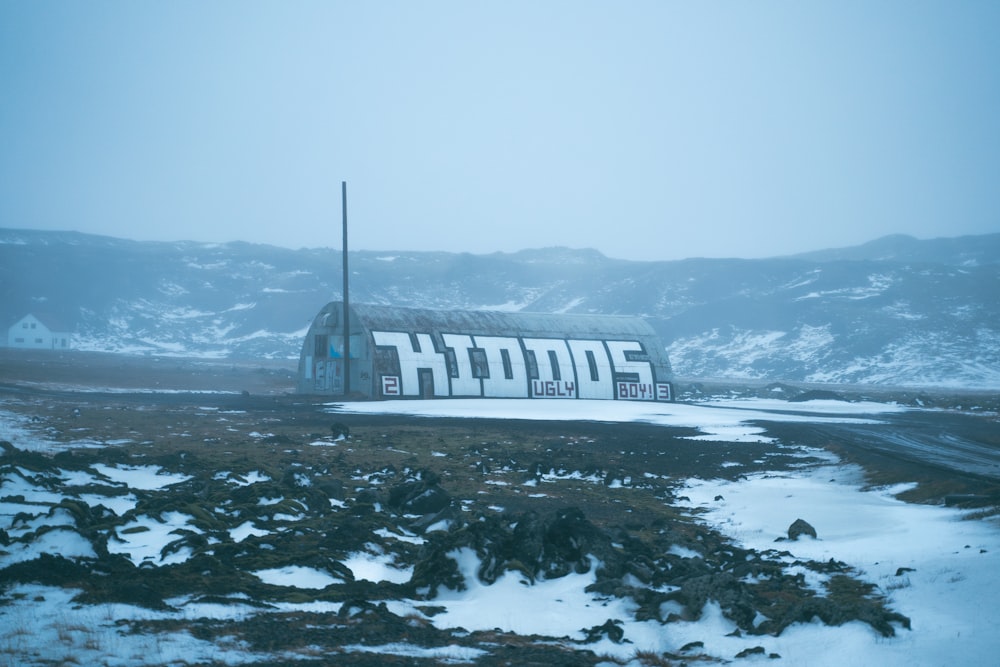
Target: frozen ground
[
  {"x": 724, "y": 421},
  {"x": 935, "y": 565}
]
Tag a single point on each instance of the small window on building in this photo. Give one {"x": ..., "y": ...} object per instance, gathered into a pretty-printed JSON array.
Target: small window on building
[
  {"x": 39, "y": 340},
  {"x": 24, "y": 325},
  {"x": 386, "y": 361},
  {"x": 636, "y": 355},
  {"x": 451, "y": 361},
  {"x": 480, "y": 368},
  {"x": 532, "y": 364},
  {"x": 321, "y": 346},
  {"x": 554, "y": 363},
  {"x": 359, "y": 350},
  {"x": 18, "y": 340},
  {"x": 508, "y": 370},
  {"x": 592, "y": 363},
  {"x": 32, "y": 325}
]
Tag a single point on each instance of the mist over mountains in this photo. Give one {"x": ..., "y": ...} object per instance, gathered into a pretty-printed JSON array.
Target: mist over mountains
[{"x": 895, "y": 311}]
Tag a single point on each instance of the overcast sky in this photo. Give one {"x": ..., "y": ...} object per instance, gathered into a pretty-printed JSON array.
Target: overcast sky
[{"x": 646, "y": 130}]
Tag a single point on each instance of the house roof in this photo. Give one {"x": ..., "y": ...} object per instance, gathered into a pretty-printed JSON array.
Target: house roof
[{"x": 51, "y": 322}]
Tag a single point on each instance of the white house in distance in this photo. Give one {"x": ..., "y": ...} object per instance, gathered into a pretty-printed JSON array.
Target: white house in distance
[{"x": 31, "y": 333}]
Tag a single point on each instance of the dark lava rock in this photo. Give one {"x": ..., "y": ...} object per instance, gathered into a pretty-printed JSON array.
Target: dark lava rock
[
  {"x": 422, "y": 495},
  {"x": 434, "y": 569},
  {"x": 735, "y": 597},
  {"x": 800, "y": 527},
  {"x": 332, "y": 488},
  {"x": 611, "y": 629},
  {"x": 539, "y": 547},
  {"x": 566, "y": 542}
]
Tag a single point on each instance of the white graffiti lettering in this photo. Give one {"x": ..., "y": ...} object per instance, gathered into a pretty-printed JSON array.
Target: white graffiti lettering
[
  {"x": 512, "y": 367},
  {"x": 508, "y": 376},
  {"x": 416, "y": 358},
  {"x": 466, "y": 383}
]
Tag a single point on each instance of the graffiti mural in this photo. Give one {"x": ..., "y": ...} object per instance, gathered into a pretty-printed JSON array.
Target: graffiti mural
[
  {"x": 410, "y": 353},
  {"x": 514, "y": 367}
]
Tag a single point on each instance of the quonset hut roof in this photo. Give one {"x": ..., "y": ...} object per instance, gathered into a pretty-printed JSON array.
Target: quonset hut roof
[
  {"x": 401, "y": 352},
  {"x": 488, "y": 322}
]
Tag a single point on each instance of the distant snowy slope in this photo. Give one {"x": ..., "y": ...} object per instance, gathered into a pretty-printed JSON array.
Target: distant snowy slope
[
  {"x": 900, "y": 248},
  {"x": 894, "y": 311}
]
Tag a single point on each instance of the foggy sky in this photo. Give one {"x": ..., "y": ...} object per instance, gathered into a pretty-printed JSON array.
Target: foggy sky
[{"x": 646, "y": 130}]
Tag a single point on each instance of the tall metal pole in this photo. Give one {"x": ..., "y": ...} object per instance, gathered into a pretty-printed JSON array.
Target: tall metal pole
[{"x": 347, "y": 310}]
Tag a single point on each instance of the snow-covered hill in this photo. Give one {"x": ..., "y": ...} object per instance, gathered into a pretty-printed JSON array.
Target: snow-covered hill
[{"x": 894, "y": 311}]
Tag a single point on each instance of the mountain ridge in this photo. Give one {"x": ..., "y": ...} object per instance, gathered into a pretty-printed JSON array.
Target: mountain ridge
[
  {"x": 958, "y": 250},
  {"x": 894, "y": 311}
]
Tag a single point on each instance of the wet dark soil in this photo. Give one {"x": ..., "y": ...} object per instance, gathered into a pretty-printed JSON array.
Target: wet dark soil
[{"x": 536, "y": 497}]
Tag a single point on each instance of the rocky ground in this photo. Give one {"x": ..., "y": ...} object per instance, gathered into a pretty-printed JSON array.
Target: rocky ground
[{"x": 542, "y": 499}]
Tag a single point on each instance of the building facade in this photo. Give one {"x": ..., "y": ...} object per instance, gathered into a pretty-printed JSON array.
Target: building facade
[
  {"x": 419, "y": 353},
  {"x": 30, "y": 332}
]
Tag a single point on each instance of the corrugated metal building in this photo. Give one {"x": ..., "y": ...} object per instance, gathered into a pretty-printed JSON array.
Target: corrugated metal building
[{"x": 418, "y": 353}]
